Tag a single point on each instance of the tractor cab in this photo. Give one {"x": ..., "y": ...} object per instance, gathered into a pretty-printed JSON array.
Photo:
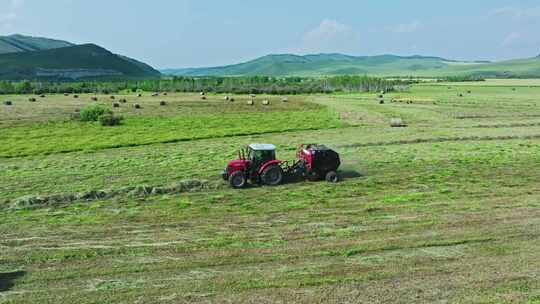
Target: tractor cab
[{"x": 258, "y": 154}]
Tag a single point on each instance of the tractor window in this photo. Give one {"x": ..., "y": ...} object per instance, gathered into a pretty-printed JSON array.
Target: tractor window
[
  {"x": 268, "y": 155},
  {"x": 262, "y": 156},
  {"x": 251, "y": 155}
]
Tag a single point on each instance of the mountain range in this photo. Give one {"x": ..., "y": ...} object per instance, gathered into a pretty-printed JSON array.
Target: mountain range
[
  {"x": 25, "y": 57},
  {"x": 382, "y": 65}
]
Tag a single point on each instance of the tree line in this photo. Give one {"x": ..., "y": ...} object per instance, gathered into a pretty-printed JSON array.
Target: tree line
[
  {"x": 463, "y": 78},
  {"x": 239, "y": 85}
]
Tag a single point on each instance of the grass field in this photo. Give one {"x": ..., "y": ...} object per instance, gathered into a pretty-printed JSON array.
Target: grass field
[
  {"x": 497, "y": 83},
  {"x": 445, "y": 210}
]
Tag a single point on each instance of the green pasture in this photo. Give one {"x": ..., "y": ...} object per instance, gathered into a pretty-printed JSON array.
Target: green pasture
[{"x": 445, "y": 210}]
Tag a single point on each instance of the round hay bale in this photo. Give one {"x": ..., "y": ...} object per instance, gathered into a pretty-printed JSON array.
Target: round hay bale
[
  {"x": 137, "y": 106},
  {"x": 469, "y": 92},
  {"x": 397, "y": 123},
  {"x": 42, "y": 96},
  {"x": 66, "y": 94},
  {"x": 94, "y": 98},
  {"x": 116, "y": 105},
  {"x": 75, "y": 115},
  {"x": 231, "y": 99},
  {"x": 162, "y": 103},
  {"x": 8, "y": 103},
  {"x": 381, "y": 101},
  {"x": 250, "y": 102},
  {"x": 139, "y": 95},
  {"x": 266, "y": 102},
  {"x": 202, "y": 93},
  {"x": 75, "y": 96},
  {"x": 203, "y": 97},
  {"x": 226, "y": 98},
  {"x": 165, "y": 94},
  {"x": 123, "y": 100},
  {"x": 112, "y": 97},
  {"x": 155, "y": 95},
  {"x": 32, "y": 99},
  {"x": 460, "y": 95},
  {"x": 284, "y": 99}
]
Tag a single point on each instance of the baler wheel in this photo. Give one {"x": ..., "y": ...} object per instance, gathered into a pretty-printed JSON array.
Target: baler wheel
[
  {"x": 332, "y": 177},
  {"x": 237, "y": 180},
  {"x": 272, "y": 176},
  {"x": 312, "y": 176}
]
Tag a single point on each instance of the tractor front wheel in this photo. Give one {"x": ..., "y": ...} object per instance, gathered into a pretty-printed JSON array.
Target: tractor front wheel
[
  {"x": 237, "y": 180},
  {"x": 272, "y": 176}
]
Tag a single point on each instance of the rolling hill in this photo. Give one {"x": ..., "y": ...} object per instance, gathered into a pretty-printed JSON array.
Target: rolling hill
[
  {"x": 383, "y": 65},
  {"x": 23, "y": 57},
  {"x": 19, "y": 43}
]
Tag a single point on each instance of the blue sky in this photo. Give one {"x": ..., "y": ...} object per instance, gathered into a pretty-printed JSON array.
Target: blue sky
[{"x": 190, "y": 33}]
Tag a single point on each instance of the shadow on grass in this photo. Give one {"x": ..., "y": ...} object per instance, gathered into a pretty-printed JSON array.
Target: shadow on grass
[
  {"x": 349, "y": 174},
  {"x": 343, "y": 175},
  {"x": 291, "y": 179},
  {"x": 7, "y": 279}
]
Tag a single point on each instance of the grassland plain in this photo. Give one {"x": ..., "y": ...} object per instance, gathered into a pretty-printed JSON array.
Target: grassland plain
[{"x": 446, "y": 210}]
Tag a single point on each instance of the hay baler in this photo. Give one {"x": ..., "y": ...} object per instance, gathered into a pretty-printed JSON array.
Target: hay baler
[{"x": 258, "y": 163}]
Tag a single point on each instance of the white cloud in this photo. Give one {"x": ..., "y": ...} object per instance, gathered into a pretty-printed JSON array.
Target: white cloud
[
  {"x": 329, "y": 36},
  {"x": 520, "y": 23},
  {"x": 327, "y": 30},
  {"x": 516, "y": 12},
  {"x": 403, "y": 28},
  {"x": 511, "y": 39}
]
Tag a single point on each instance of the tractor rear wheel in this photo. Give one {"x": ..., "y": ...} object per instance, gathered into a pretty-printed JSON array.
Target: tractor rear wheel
[
  {"x": 237, "y": 180},
  {"x": 332, "y": 177},
  {"x": 272, "y": 176}
]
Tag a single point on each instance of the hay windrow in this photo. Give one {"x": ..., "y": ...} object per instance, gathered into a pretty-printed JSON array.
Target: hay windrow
[
  {"x": 37, "y": 201},
  {"x": 439, "y": 140},
  {"x": 413, "y": 100}
]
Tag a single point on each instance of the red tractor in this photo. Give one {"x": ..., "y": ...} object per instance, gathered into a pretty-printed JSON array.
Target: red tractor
[{"x": 258, "y": 164}]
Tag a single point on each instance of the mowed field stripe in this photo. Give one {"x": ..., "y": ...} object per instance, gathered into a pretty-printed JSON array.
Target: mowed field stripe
[{"x": 441, "y": 139}]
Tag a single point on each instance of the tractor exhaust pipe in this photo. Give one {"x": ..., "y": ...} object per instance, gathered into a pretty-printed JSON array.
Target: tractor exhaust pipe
[{"x": 241, "y": 155}]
